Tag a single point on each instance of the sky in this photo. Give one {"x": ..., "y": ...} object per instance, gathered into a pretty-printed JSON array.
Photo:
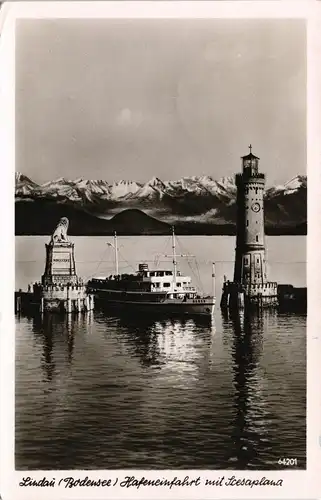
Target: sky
[{"x": 133, "y": 99}]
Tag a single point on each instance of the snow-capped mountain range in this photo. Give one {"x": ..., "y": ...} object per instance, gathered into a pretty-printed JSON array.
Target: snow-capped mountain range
[
  {"x": 195, "y": 200},
  {"x": 82, "y": 190}
]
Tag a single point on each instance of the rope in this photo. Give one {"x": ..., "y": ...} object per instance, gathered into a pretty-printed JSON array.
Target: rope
[
  {"x": 98, "y": 266},
  {"x": 199, "y": 276},
  {"x": 196, "y": 276},
  {"x": 157, "y": 260},
  {"x": 126, "y": 261}
]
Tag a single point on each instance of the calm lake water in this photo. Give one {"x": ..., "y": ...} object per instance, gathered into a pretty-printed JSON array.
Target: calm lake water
[{"x": 101, "y": 392}]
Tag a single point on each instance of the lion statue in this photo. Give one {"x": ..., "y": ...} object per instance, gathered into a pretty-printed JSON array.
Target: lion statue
[{"x": 60, "y": 233}]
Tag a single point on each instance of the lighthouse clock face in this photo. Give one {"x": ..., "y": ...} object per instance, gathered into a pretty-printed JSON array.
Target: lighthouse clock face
[{"x": 256, "y": 207}]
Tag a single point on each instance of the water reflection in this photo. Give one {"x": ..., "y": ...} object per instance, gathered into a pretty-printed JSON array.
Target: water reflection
[
  {"x": 56, "y": 335},
  {"x": 156, "y": 342},
  {"x": 246, "y": 349},
  {"x": 176, "y": 393},
  {"x": 248, "y": 338},
  {"x": 141, "y": 335}
]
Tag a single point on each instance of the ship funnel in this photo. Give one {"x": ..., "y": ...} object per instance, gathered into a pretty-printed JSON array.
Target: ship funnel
[{"x": 143, "y": 267}]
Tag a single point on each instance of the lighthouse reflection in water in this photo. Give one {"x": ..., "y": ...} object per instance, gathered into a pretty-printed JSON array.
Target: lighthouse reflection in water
[{"x": 99, "y": 392}]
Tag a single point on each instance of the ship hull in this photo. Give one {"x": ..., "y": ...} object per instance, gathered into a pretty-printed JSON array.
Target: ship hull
[{"x": 199, "y": 307}]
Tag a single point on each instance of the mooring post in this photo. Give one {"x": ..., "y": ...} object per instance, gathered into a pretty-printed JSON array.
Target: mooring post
[
  {"x": 18, "y": 304},
  {"x": 241, "y": 300}
]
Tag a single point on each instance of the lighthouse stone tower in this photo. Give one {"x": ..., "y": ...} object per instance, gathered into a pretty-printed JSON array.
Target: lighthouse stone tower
[
  {"x": 250, "y": 265},
  {"x": 250, "y": 284}
]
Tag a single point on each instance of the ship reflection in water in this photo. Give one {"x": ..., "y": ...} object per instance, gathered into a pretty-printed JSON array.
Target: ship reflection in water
[{"x": 99, "y": 392}]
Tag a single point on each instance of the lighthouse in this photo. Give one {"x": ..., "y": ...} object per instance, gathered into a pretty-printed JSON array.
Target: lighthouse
[
  {"x": 250, "y": 284},
  {"x": 250, "y": 265}
]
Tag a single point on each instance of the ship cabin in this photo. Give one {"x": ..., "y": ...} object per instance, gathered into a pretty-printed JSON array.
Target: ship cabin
[
  {"x": 156, "y": 281},
  {"x": 163, "y": 280}
]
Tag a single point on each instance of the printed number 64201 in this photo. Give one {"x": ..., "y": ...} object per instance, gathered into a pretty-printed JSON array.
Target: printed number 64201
[{"x": 288, "y": 461}]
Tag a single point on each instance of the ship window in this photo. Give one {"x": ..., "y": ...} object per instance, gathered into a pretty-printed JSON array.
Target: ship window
[
  {"x": 247, "y": 222},
  {"x": 152, "y": 273},
  {"x": 256, "y": 238},
  {"x": 168, "y": 273},
  {"x": 184, "y": 282},
  {"x": 166, "y": 285},
  {"x": 257, "y": 261},
  {"x": 246, "y": 261},
  {"x": 255, "y": 190},
  {"x": 178, "y": 284},
  {"x": 157, "y": 284}
]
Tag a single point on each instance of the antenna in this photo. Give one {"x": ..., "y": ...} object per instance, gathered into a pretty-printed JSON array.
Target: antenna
[
  {"x": 213, "y": 278},
  {"x": 116, "y": 253},
  {"x": 174, "y": 254},
  {"x": 115, "y": 247}
]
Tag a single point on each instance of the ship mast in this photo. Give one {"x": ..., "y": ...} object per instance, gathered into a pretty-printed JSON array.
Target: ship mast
[
  {"x": 116, "y": 253},
  {"x": 174, "y": 254}
]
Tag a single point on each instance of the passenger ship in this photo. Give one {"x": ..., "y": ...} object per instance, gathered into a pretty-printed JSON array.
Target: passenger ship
[{"x": 152, "y": 290}]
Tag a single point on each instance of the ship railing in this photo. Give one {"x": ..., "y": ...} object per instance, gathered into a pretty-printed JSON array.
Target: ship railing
[{"x": 59, "y": 286}]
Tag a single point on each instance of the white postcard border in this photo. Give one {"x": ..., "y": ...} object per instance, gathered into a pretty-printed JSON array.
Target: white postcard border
[{"x": 296, "y": 484}]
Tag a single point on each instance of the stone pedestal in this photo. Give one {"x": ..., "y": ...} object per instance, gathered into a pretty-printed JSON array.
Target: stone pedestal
[
  {"x": 60, "y": 264},
  {"x": 60, "y": 288}
]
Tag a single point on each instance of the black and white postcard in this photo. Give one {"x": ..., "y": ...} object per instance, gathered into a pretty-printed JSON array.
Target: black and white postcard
[{"x": 160, "y": 250}]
